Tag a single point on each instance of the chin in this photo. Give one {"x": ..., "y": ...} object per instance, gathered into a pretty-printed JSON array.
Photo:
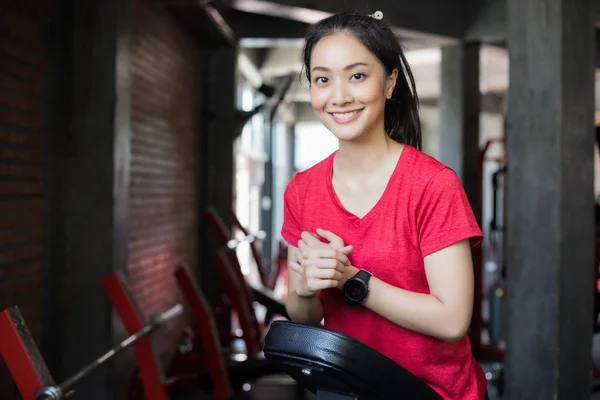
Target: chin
[
  {"x": 345, "y": 132},
  {"x": 350, "y": 132},
  {"x": 345, "y": 135}
]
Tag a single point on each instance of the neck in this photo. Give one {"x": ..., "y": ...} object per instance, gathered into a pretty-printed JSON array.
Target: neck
[{"x": 367, "y": 154}]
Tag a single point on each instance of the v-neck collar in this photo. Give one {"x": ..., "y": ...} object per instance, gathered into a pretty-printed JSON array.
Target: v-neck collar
[{"x": 372, "y": 213}]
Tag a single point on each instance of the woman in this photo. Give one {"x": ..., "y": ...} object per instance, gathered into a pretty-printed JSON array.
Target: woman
[{"x": 383, "y": 231}]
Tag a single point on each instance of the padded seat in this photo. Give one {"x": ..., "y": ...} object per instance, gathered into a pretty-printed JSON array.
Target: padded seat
[{"x": 321, "y": 359}]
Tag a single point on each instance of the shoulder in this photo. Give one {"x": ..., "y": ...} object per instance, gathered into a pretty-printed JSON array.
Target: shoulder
[
  {"x": 306, "y": 178},
  {"x": 427, "y": 172}
]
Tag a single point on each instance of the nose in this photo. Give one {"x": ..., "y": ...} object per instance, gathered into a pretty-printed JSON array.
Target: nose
[{"x": 341, "y": 95}]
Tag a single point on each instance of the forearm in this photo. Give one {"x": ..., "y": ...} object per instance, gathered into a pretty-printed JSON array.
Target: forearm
[
  {"x": 418, "y": 312},
  {"x": 305, "y": 310}
]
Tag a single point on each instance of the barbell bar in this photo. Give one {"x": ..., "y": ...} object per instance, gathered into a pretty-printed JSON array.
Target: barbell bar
[{"x": 62, "y": 390}]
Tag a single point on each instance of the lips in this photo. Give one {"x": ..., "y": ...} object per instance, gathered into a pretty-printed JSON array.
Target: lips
[{"x": 345, "y": 117}]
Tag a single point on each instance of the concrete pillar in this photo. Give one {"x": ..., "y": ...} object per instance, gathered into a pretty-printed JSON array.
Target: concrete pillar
[
  {"x": 550, "y": 223},
  {"x": 460, "y": 106},
  {"x": 597, "y": 52},
  {"x": 459, "y": 112},
  {"x": 88, "y": 179},
  {"x": 221, "y": 125}
]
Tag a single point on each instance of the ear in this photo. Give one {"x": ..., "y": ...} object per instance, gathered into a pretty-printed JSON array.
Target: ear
[{"x": 390, "y": 83}]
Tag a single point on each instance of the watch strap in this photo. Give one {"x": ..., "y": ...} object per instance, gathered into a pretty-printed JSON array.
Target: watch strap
[{"x": 362, "y": 276}]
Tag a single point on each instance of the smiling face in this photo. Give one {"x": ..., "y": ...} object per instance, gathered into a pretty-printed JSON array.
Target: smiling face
[{"x": 349, "y": 87}]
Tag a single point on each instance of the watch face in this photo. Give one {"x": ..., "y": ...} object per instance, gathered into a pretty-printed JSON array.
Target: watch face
[{"x": 354, "y": 290}]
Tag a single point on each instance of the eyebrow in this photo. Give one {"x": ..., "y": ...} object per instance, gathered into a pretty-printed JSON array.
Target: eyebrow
[{"x": 356, "y": 64}]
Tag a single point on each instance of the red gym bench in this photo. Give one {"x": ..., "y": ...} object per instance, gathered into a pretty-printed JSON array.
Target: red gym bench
[
  {"x": 224, "y": 236},
  {"x": 21, "y": 355},
  {"x": 213, "y": 372},
  {"x": 228, "y": 267},
  {"x": 29, "y": 371}
]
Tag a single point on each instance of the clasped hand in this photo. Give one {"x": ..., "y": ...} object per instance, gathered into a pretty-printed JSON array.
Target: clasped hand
[{"x": 321, "y": 265}]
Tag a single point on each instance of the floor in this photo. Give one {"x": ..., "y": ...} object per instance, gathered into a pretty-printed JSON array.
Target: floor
[
  {"x": 284, "y": 388},
  {"x": 279, "y": 387},
  {"x": 492, "y": 373}
]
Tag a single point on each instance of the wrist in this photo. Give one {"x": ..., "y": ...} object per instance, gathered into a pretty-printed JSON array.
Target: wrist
[
  {"x": 356, "y": 287},
  {"x": 306, "y": 295},
  {"x": 349, "y": 272}
]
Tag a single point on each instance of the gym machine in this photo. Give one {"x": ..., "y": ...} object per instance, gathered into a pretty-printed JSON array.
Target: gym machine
[
  {"x": 30, "y": 372},
  {"x": 247, "y": 238},
  {"x": 485, "y": 351},
  {"x": 496, "y": 324},
  {"x": 205, "y": 366},
  {"x": 491, "y": 292},
  {"x": 337, "y": 367},
  {"x": 236, "y": 284},
  {"x": 268, "y": 278}
]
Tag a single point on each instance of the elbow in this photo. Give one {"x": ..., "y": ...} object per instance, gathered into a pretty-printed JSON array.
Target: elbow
[
  {"x": 291, "y": 312},
  {"x": 294, "y": 317},
  {"x": 455, "y": 331},
  {"x": 301, "y": 316},
  {"x": 303, "y": 319},
  {"x": 453, "y": 338}
]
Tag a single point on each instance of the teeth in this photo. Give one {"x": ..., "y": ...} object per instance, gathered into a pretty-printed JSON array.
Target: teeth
[{"x": 345, "y": 115}]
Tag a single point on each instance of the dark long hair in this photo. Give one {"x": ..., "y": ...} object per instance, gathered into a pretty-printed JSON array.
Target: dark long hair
[{"x": 401, "y": 116}]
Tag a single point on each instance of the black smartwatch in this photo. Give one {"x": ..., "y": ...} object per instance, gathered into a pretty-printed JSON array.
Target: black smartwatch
[{"x": 356, "y": 288}]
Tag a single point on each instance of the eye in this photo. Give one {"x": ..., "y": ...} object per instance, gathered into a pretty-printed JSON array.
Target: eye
[
  {"x": 358, "y": 76},
  {"x": 321, "y": 80}
]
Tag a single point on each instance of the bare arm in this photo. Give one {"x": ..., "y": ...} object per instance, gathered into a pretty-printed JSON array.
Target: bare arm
[
  {"x": 446, "y": 312},
  {"x": 302, "y": 309}
]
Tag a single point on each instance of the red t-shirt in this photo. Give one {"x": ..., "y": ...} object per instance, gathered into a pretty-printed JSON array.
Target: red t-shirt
[{"x": 422, "y": 210}]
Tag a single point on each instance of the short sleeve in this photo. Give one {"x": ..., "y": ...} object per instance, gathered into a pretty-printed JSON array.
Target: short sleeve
[
  {"x": 290, "y": 230},
  {"x": 445, "y": 216}
]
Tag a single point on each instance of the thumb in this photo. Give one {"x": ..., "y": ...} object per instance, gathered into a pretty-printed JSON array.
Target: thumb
[
  {"x": 334, "y": 239},
  {"x": 294, "y": 266},
  {"x": 347, "y": 250}
]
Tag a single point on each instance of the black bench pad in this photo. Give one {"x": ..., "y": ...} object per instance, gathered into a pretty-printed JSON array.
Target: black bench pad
[{"x": 319, "y": 358}]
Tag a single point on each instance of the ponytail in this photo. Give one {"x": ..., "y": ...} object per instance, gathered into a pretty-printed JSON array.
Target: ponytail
[{"x": 401, "y": 120}]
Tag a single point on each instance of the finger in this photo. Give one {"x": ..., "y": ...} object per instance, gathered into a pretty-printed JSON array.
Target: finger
[
  {"x": 347, "y": 250},
  {"x": 299, "y": 256},
  {"x": 303, "y": 246},
  {"x": 331, "y": 237},
  {"x": 324, "y": 263},
  {"x": 328, "y": 253},
  {"x": 297, "y": 268},
  {"x": 310, "y": 239},
  {"x": 320, "y": 284},
  {"x": 303, "y": 250},
  {"x": 320, "y": 273}
]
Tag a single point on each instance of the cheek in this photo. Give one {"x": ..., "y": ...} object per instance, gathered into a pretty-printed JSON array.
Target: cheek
[
  {"x": 318, "y": 98},
  {"x": 369, "y": 94}
]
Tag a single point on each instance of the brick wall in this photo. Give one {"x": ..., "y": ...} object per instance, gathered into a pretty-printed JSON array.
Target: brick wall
[
  {"x": 22, "y": 158},
  {"x": 164, "y": 161},
  {"x": 164, "y": 171}
]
